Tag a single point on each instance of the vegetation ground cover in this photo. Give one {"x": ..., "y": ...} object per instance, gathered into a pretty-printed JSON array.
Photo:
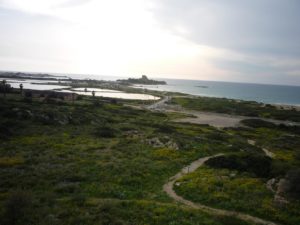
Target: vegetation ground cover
[
  {"x": 234, "y": 107},
  {"x": 237, "y": 181},
  {"x": 90, "y": 162}
]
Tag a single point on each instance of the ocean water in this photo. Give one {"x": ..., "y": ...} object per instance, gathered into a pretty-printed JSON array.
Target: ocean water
[
  {"x": 113, "y": 94},
  {"x": 274, "y": 94},
  {"x": 35, "y": 85},
  {"x": 266, "y": 93},
  {"x": 40, "y": 85}
]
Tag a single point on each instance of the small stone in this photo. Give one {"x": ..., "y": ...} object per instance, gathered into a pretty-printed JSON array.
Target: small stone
[{"x": 232, "y": 175}]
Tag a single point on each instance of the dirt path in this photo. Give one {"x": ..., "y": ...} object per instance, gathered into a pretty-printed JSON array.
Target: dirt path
[
  {"x": 168, "y": 188},
  {"x": 266, "y": 151},
  {"x": 159, "y": 104},
  {"x": 218, "y": 120},
  {"x": 222, "y": 120},
  {"x": 213, "y": 119}
]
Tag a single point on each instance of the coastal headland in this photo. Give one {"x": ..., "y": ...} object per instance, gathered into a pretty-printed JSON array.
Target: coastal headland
[{"x": 70, "y": 154}]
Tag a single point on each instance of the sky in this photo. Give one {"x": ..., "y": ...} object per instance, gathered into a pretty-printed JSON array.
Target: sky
[{"x": 255, "y": 41}]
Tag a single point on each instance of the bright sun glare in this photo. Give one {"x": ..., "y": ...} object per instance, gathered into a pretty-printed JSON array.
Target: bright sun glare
[{"x": 102, "y": 38}]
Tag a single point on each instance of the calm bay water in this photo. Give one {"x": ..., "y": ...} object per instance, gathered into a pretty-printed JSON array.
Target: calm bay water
[
  {"x": 40, "y": 85},
  {"x": 275, "y": 94}
]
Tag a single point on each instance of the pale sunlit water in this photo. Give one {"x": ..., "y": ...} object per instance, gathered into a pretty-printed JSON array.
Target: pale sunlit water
[
  {"x": 42, "y": 87},
  {"x": 111, "y": 94},
  {"x": 274, "y": 94}
]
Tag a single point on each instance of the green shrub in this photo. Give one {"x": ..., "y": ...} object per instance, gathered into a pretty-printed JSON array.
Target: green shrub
[
  {"x": 5, "y": 131},
  {"x": 17, "y": 208},
  {"x": 297, "y": 155},
  {"x": 79, "y": 199},
  {"x": 96, "y": 102},
  {"x": 67, "y": 187},
  {"x": 28, "y": 94},
  {"x": 230, "y": 106},
  {"x": 4, "y": 87},
  {"x": 257, "y": 164},
  {"x": 165, "y": 128},
  {"x": 106, "y": 132},
  {"x": 257, "y": 123},
  {"x": 279, "y": 168},
  {"x": 11, "y": 161},
  {"x": 293, "y": 177}
]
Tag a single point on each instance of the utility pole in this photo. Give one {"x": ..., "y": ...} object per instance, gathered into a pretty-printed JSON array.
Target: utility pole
[
  {"x": 21, "y": 89},
  {"x": 73, "y": 98},
  {"x": 4, "y": 88}
]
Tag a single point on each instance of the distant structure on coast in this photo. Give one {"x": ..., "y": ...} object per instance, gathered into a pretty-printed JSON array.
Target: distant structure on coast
[{"x": 143, "y": 80}]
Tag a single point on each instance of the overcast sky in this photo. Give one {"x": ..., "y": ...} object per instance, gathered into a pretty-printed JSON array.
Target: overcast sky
[{"x": 254, "y": 41}]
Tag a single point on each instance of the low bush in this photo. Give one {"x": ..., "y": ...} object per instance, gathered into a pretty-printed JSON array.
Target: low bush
[
  {"x": 5, "y": 132},
  {"x": 11, "y": 161},
  {"x": 28, "y": 94},
  {"x": 230, "y": 106},
  {"x": 293, "y": 177},
  {"x": 5, "y": 88},
  {"x": 17, "y": 209},
  {"x": 164, "y": 128},
  {"x": 259, "y": 165},
  {"x": 97, "y": 103},
  {"x": 106, "y": 132},
  {"x": 257, "y": 123},
  {"x": 279, "y": 168}
]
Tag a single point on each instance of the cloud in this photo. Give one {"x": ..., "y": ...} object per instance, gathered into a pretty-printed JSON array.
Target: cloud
[
  {"x": 72, "y": 3},
  {"x": 258, "y": 39},
  {"x": 233, "y": 40},
  {"x": 253, "y": 27},
  {"x": 40, "y": 6}
]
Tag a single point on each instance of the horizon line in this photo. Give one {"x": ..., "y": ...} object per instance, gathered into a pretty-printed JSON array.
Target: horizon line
[{"x": 92, "y": 74}]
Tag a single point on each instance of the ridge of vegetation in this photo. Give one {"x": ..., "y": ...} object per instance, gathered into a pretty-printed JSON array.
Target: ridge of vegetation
[{"x": 98, "y": 161}]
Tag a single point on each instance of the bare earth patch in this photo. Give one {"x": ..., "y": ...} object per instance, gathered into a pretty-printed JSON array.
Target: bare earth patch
[
  {"x": 218, "y": 120},
  {"x": 212, "y": 119},
  {"x": 168, "y": 188}
]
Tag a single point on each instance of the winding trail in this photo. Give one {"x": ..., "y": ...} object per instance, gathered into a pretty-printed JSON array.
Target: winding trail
[
  {"x": 168, "y": 188},
  {"x": 214, "y": 119},
  {"x": 266, "y": 151},
  {"x": 159, "y": 104}
]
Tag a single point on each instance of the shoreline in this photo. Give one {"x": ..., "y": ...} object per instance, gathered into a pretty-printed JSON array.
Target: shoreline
[
  {"x": 218, "y": 93},
  {"x": 286, "y": 106},
  {"x": 17, "y": 77}
]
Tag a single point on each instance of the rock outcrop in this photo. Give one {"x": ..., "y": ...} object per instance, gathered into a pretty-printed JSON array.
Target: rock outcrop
[
  {"x": 165, "y": 142},
  {"x": 143, "y": 80}
]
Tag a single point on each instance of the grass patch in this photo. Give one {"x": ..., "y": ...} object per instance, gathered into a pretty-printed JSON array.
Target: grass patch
[
  {"x": 87, "y": 163},
  {"x": 233, "y": 190},
  {"x": 11, "y": 161},
  {"x": 234, "y": 107}
]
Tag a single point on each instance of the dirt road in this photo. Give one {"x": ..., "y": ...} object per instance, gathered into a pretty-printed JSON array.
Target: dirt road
[
  {"x": 218, "y": 120},
  {"x": 168, "y": 188}
]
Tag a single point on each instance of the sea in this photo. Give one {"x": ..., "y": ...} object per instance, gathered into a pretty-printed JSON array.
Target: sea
[{"x": 265, "y": 93}]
